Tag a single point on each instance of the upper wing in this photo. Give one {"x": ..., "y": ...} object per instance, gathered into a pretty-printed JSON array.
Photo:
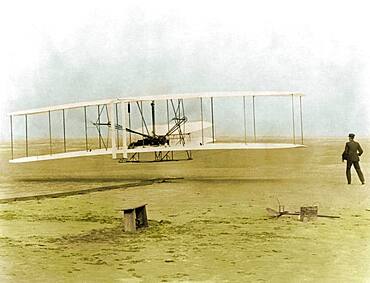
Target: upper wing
[
  {"x": 156, "y": 98},
  {"x": 63, "y": 107},
  {"x": 212, "y": 95}
]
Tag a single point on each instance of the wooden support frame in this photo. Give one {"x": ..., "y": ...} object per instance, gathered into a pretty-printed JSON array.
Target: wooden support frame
[
  {"x": 308, "y": 213},
  {"x": 135, "y": 218}
]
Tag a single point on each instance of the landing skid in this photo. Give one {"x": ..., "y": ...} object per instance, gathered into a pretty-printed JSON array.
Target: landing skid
[{"x": 159, "y": 156}]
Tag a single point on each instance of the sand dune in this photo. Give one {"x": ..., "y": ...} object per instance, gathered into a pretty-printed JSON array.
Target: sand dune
[{"x": 210, "y": 226}]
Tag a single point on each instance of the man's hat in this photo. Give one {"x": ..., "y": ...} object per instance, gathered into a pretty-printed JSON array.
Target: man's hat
[{"x": 351, "y": 136}]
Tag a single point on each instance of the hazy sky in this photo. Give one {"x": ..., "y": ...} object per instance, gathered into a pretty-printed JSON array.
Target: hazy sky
[{"x": 68, "y": 51}]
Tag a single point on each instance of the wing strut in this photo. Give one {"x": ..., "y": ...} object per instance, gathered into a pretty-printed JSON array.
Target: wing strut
[
  {"x": 213, "y": 122},
  {"x": 64, "y": 131},
  {"x": 142, "y": 118},
  {"x": 11, "y": 136},
  {"x": 153, "y": 117},
  {"x": 124, "y": 131},
  {"x": 50, "y": 143},
  {"x": 85, "y": 116},
  {"x": 245, "y": 121},
  {"x": 178, "y": 123},
  {"x": 301, "y": 116},
  {"x": 201, "y": 119},
  {"x": 143, "y": 123},
  {"x": 183, "y": 114},
  {"x": 117, "y": 128},
  {"x": 129, "y": 119},
  {"x": 168, "y": 116},
  {"x": 25, "y": 119},
  {"x": 112, "y": 130},
  {"x": 254, "y": 118},
  {"x": 293, "y": 124},
  {"x": 177, "y": 113},
  {"x": 98, "y": 127}
]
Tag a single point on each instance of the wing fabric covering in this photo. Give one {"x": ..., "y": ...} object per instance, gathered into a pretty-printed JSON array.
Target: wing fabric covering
[
  {"x": 131, "y": 125},
  {"x": 194, "y": 147}
]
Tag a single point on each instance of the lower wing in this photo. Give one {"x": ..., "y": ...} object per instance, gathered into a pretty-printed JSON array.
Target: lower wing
[{"x": 187, "y": 147}]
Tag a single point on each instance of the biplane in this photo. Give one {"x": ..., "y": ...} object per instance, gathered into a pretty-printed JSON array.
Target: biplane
[{"x": 130, "y": 126}]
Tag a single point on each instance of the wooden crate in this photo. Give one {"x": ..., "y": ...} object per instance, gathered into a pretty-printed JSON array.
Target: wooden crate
[
  {"x": 308, "y": 213},
  {"x": 135, "y": 218}
]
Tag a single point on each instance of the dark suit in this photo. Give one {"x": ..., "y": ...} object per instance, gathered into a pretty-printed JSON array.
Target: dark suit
[{"x": 352, "y": 151}]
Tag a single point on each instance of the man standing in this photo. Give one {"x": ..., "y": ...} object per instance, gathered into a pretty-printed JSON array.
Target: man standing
[{"x": 351, "y": 153}]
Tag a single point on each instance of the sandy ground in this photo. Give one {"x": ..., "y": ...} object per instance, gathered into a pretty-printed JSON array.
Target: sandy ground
[{"x": 211, "y": 226}]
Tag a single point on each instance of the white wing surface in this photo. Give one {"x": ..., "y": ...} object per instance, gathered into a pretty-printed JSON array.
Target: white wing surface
[
  {"x": 107, "y": 126},
  {"x": 191, "y": 147}
]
